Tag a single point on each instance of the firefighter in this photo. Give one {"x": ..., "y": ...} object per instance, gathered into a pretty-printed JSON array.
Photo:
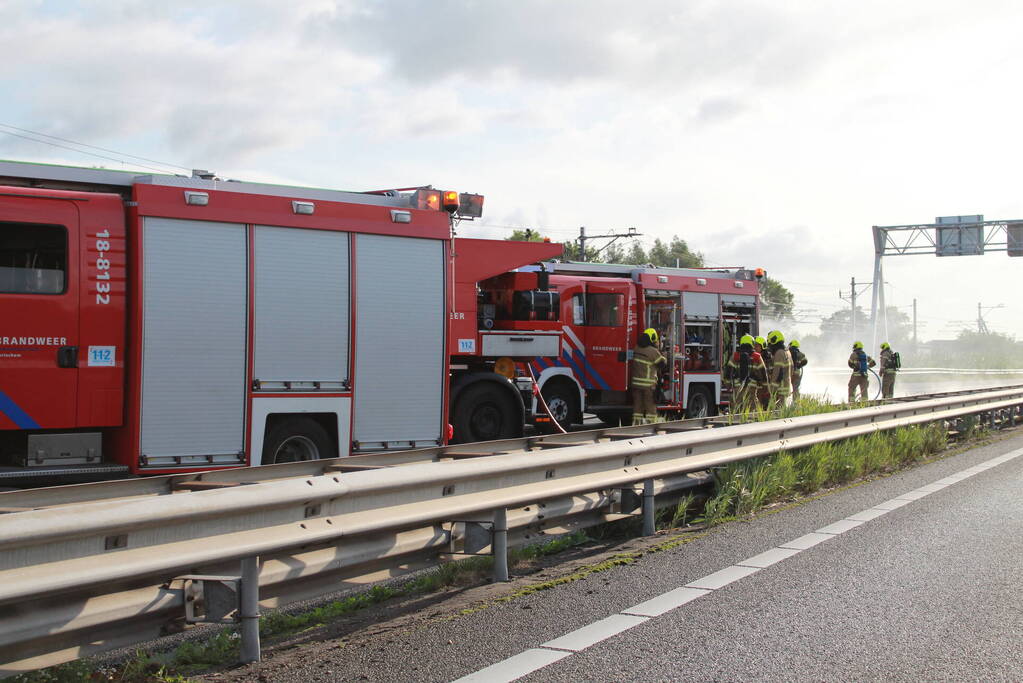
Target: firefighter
[
  {"x": 779, "y": 375},
  {"x": 860, "y": 363},
  {"x": 647, "y": 363},
  {"x": 889, "y": 366},
  {"x": 763, "y": 391},
  {"x": 798, "y": 363},
  {"x": 745, "y": 370}
]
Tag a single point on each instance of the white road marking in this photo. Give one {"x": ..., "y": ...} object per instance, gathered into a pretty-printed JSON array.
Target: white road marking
[
  {"x": 840, "y": 527},
  {"x": 515, "y": 667},
  {"x": 722, "y": 577},
  {"x": 914, "y": 495},
  {"x": 536, "y": 658},
  {"x": 582, "y": 638},
  {"x": 867, "y": 515},
  {"x": 807, "y": 541},
  {"x": 665, "y": 602},
  {"x": 772, "y": 556},
  {"x": 892, "y": 504}
]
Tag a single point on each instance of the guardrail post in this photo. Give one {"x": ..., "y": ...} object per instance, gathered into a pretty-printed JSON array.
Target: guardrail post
[
  {"x": 249, "y": 610},
  {"x": 648, "y": 507},
  {"x": 500, "y": 545}
]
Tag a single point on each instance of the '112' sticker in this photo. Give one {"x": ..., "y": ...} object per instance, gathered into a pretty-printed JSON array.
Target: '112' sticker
[{"x": 102, "y": 356}]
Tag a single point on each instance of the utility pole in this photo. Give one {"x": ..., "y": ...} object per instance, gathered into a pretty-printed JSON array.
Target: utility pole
[
  {"x": 982, "y": 327},
  {"x": 583, "y": 237},
  {"x": 852, "y": 304},
  {"x": 852, "y": 301},
  {"x": 914, "y": 324}
]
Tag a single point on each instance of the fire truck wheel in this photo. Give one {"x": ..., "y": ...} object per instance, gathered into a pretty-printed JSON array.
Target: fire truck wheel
[
  {"x": 296, "y": 439},
  {"x": 485, "y": 412},
  {"x": 700, "y": 403},
  {"x": 563, "y": 401}
]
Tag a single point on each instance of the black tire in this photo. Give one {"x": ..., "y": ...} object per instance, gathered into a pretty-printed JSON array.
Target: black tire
[
  {"x": 701, "y": 403},
  {"x": 297, "y": 439},
  {"x": 563, "y": 401},
  {"x": 486, "y": 412}
]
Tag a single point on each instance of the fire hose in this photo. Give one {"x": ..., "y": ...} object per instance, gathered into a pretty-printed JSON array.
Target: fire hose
[{"x": 543, "y": 402}]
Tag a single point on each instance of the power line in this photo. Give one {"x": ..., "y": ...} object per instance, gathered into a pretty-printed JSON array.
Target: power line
[{"x": 82, "y": 151}]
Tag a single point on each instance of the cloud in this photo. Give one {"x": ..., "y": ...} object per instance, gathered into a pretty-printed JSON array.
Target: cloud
[
  {"x": 720, "y": 109},
  {"x": 210, "y": 97},
  {"x": 658, "y": 43}
]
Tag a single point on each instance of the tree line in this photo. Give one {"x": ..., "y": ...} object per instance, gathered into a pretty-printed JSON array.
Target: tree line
[{"x": 776, "y": 300}]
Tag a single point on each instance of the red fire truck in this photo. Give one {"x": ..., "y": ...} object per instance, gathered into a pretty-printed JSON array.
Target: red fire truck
[
  {"x": 155, "y": 323},
  {"x": 575, "y": 324}
]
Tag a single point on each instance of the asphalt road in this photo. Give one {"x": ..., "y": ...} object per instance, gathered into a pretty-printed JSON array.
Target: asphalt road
[{"x": 925, "y": 590}]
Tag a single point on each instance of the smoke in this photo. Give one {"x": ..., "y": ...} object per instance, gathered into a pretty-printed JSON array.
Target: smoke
[{"x": 826, "y": 374}]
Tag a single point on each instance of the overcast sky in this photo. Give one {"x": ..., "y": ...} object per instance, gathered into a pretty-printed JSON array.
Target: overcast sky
[{"x": 768, "y": 134}]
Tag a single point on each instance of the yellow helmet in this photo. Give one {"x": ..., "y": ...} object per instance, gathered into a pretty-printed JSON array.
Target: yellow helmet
[
  {"x": 884, "y": 345},
  {"x": 795, "y": 343},
  {"x": 759, "y": 340},
  {"x": 857, "y": 345},
  {"x": 775, "y": 337},
  {"x": 651, "y": 334},
  {"x": 746, "y": 339}
]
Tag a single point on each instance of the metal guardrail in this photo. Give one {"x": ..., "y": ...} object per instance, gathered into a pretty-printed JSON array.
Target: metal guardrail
[
  {"x": 193, "y": 481},
  {"x": 83, "y": 577}
]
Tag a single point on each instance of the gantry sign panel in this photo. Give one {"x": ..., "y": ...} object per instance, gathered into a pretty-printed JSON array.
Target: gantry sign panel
[
  {"x": 950, "y": 236},
  {"x": 947, "y": 236}
]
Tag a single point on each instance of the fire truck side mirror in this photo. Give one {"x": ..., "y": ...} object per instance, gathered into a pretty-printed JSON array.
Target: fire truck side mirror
[{"x": 543, "y": 280}]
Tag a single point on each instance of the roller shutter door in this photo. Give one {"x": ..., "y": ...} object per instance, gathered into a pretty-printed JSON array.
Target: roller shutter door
[
  {"x": 302, "y": 307},
  {"x": 399, "y": 350},
  {"x": 193, "y": 358}
]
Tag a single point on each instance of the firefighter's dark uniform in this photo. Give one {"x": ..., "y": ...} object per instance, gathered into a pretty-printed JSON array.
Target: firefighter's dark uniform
[
  {"x": 744, "y": 388},
  {"x": 859, "y": 377},
  {"x": 646, "y": 364},
  {"x": 764, "y": 389},
  {"x": 798, "y": 363},
  {"x": 888, "y": 371},
  {"x": 780, "y": 376}
]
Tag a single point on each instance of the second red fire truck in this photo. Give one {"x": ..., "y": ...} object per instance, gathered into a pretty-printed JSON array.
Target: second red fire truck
[{"x": 569, "y": 328}]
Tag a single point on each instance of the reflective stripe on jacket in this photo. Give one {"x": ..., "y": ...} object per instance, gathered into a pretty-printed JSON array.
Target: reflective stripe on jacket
[
  {"x": 757, "y": 370},
  {"x": 645, "y": 360},
  {"x": 781, "y": 372}
]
